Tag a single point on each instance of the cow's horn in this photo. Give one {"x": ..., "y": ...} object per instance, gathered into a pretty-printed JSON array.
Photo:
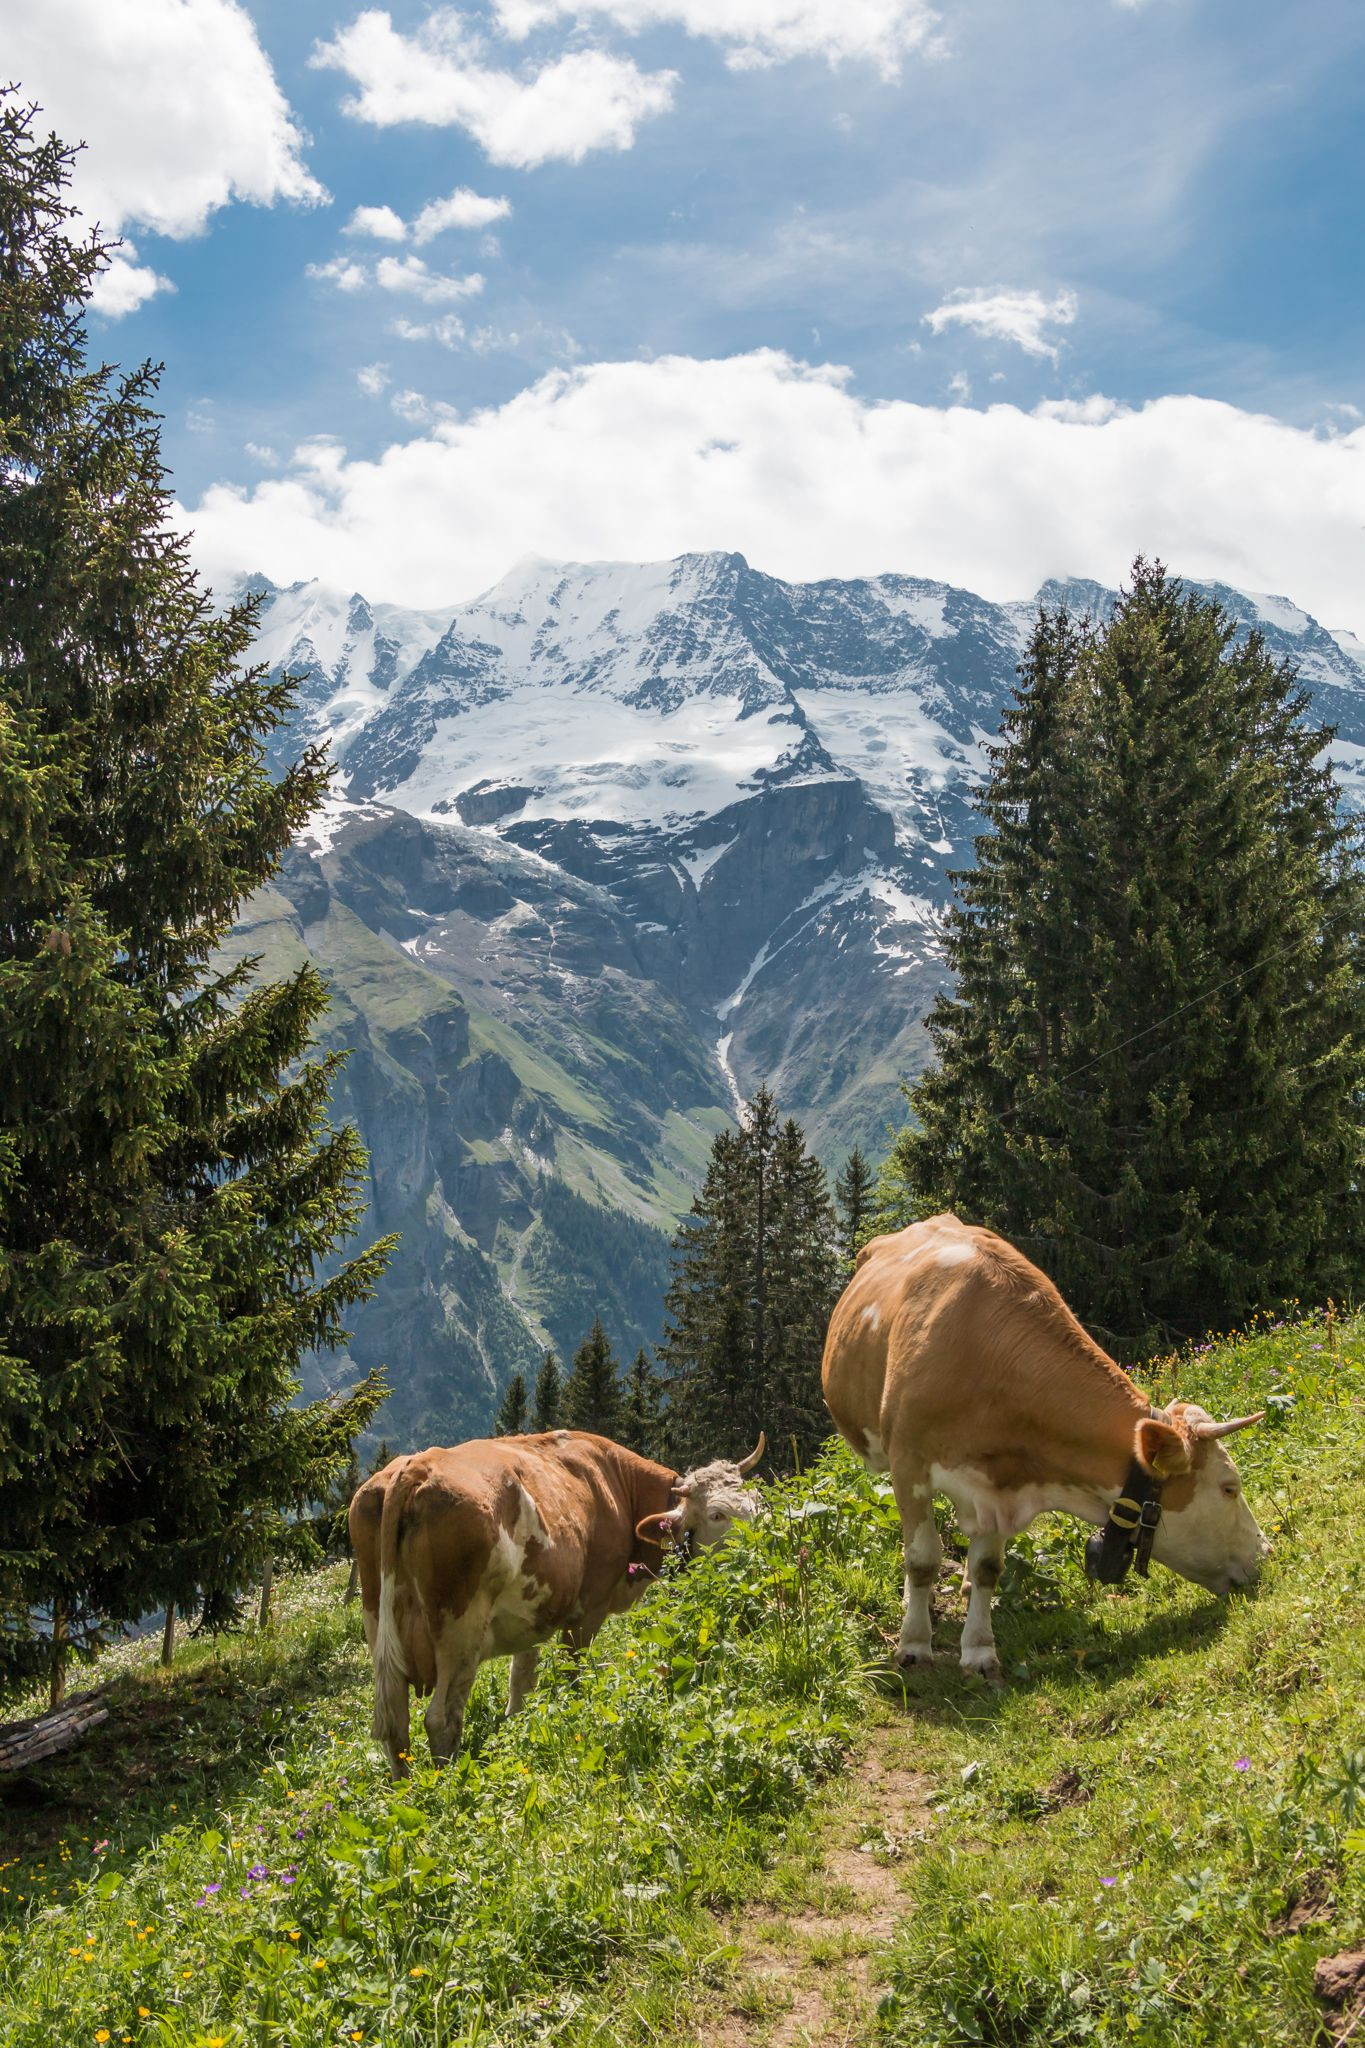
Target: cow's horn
[
  {"x": 1208, "y": 1429},
  {"x": 746, "y": 1465}
]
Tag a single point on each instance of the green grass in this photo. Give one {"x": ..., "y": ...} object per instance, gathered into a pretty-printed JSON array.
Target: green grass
[{"x": 225, "y": 1860}]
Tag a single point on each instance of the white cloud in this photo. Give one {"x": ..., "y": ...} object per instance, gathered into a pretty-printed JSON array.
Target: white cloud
[
  {"x": 343, "y": 272},
  {"x": 179, "y": 106},
  {"x": 1019, "y": 317},
  {"x": 639, "y": 460},
  {"x": 379, "y": 223},
  {"x": 463, "y": 209},
  {"x": 372, "y": 378},
  {"x": 266, "y": 456},
  {"x": 960, "y": 386},
  {"x": 881, "y": 32},
  {"x": 410, "y": 274},
  {"x": 410, "y": 406},
  {"x": 582, "y": 101},
  {"x": 126, "y": 285},
  {"x": 448, "y": 330}
]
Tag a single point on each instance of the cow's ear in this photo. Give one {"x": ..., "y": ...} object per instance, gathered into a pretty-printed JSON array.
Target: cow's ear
[
  {"x": 659, "y": 1529},
  {"x": 1164, "y": 1449}
]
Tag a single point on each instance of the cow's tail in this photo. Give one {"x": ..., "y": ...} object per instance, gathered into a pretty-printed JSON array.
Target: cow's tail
[{"x": 390, "y": 1667}]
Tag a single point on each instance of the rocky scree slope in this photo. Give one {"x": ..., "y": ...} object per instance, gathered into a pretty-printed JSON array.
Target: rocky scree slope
[{"x": 610, "y": 845}]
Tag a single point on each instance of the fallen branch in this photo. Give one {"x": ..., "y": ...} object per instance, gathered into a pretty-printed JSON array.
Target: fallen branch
[{"x": 27, "y": 1742}]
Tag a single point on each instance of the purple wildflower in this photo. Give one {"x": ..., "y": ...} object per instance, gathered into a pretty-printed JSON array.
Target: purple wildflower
[
  {"x": 257, "y": 1872},
  {"x": 1108, "y": 1880},
  {"x": 299, "y": 1834},
  {"x": 1243, "y": 1763},
  {"x": 288, "y": 1876}
]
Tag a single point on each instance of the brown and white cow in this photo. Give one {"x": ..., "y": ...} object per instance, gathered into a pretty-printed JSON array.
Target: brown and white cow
[
  {"x": 954, "y": 1364},
  {"x": 493, "y": 1547}
]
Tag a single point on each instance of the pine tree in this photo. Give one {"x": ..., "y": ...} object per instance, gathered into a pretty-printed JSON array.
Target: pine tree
[
  {"x": 803, "y": 1278},
  {"x": 642, "y": 1408},
  {"x": 511, "y": 1418},
  {"x": 854, "y": 1194},
  {"x": 169, "y": 1189},
  {"x": 754, "y": 1280},
  {"x": 549, "y": 1394},
  {"x": 1150, "y": 1071},
  {"x": 592, "y": 1392}
]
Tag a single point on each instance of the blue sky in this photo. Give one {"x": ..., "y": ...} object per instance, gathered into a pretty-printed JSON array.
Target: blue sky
[{"x": 979, "y": 290}]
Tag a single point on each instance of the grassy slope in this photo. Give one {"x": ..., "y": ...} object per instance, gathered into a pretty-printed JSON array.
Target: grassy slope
[{"x": 559, "y": 1884}]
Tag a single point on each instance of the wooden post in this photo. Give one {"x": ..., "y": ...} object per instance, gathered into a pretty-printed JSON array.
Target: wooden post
[
  {"x": 57, "y": 1686},
  {"x": 266, "y": 1583},
  {"x": 353, "y": 1583},
  {"x": 168, "y": 1634}
]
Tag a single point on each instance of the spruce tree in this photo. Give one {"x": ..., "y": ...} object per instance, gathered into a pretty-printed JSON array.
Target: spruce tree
[
  {"x": 169, "y": 1189},
  {"x": 549, "y": 1394},
  {"x": 803, "y": 1280},
  {"x": 642, "y": 1408},
  {"x": 854, "y": 1195},
  {"x": 511, "y": 1417},
  {"x": 592, "y": 1392},
  {"x": 1149, "y": 1074},
  {"x": 755, "y": 1276}
]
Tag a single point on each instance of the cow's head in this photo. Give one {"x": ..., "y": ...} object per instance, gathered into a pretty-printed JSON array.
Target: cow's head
[
  {"x": 707, "y": 1503},
  {"x": 1207, "y": 1532}
]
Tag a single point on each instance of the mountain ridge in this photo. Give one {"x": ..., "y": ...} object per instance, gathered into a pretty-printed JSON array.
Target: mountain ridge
[{"x": 661, "y": 831}]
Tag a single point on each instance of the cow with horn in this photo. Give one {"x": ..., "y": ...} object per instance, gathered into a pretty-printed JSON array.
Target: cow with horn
[
  {"x": 492, "y": 1548},
  {"x": 953, "y": 1363}
]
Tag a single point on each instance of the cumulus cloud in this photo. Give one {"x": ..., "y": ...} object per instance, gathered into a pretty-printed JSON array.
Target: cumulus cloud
[
  {"x": 410, "y": 274},
  {"x": 785, "y": 462},
  {"x": 372, "y": 378},
  {"x": 397, "y": 274},
  {"x": 179, "y": 106},
  {"x": 881, "y": 32},
  {"x": 581, "y": 101},
  {"x": 377, "y": 224},
  {"x": 461, "y": 209},
  {"x": 342, "y": 271},
  {"x": 1020, "y": 317}
]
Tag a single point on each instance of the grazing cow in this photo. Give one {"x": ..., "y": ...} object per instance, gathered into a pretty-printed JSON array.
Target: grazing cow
[
  {"x": 492, "y": 1548},
  {"x": 955, "y": 1365}
]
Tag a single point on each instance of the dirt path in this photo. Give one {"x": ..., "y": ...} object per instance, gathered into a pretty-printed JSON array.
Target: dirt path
[{"x": 809, "y": 1968}]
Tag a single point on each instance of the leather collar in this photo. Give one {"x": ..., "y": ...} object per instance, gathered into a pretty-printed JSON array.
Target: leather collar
[{"x": 1129, "y": 1530}]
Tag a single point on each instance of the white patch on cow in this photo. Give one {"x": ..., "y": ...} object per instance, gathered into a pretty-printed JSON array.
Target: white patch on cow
[
  {"x": 986, "y": 1510},
  {"x": 390, "y": 1671},
  {"x": 874, "y": 1451},
  {"x": 518, "y": 1596},
  {"x": 955, "y": 1253},
  {"x": 872, "y": 1316}
]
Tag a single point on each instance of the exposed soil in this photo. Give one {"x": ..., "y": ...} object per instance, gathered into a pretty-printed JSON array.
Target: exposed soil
[{"x": 808, "y": 1969}]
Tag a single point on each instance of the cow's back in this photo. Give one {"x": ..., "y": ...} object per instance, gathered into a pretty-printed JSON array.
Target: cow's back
[{"x": 947, "y": 1332}]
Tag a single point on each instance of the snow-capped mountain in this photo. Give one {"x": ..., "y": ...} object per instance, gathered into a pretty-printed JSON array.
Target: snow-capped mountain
[{"x": 613, "y": 843}]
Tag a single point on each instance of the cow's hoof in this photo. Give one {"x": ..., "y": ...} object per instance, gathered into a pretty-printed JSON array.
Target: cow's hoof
[
  {"x": 916, "y": 1658},
  {"x": 985, "y": 1664}
]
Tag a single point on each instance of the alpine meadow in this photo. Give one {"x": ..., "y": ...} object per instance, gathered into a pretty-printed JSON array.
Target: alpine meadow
[{"x": 682, "y": 1026}]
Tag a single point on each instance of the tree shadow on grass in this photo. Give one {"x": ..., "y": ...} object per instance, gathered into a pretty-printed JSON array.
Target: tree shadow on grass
[{"x": 178, "y": 1745}]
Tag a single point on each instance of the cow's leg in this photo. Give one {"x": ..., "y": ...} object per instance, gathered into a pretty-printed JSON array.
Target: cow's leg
[
  {"x": 923, "y": 1555},
  {"x": 522, "y": 1681},
  {"x": 985, "y": 1562},
  {"x": 460, "y": 1649}
]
